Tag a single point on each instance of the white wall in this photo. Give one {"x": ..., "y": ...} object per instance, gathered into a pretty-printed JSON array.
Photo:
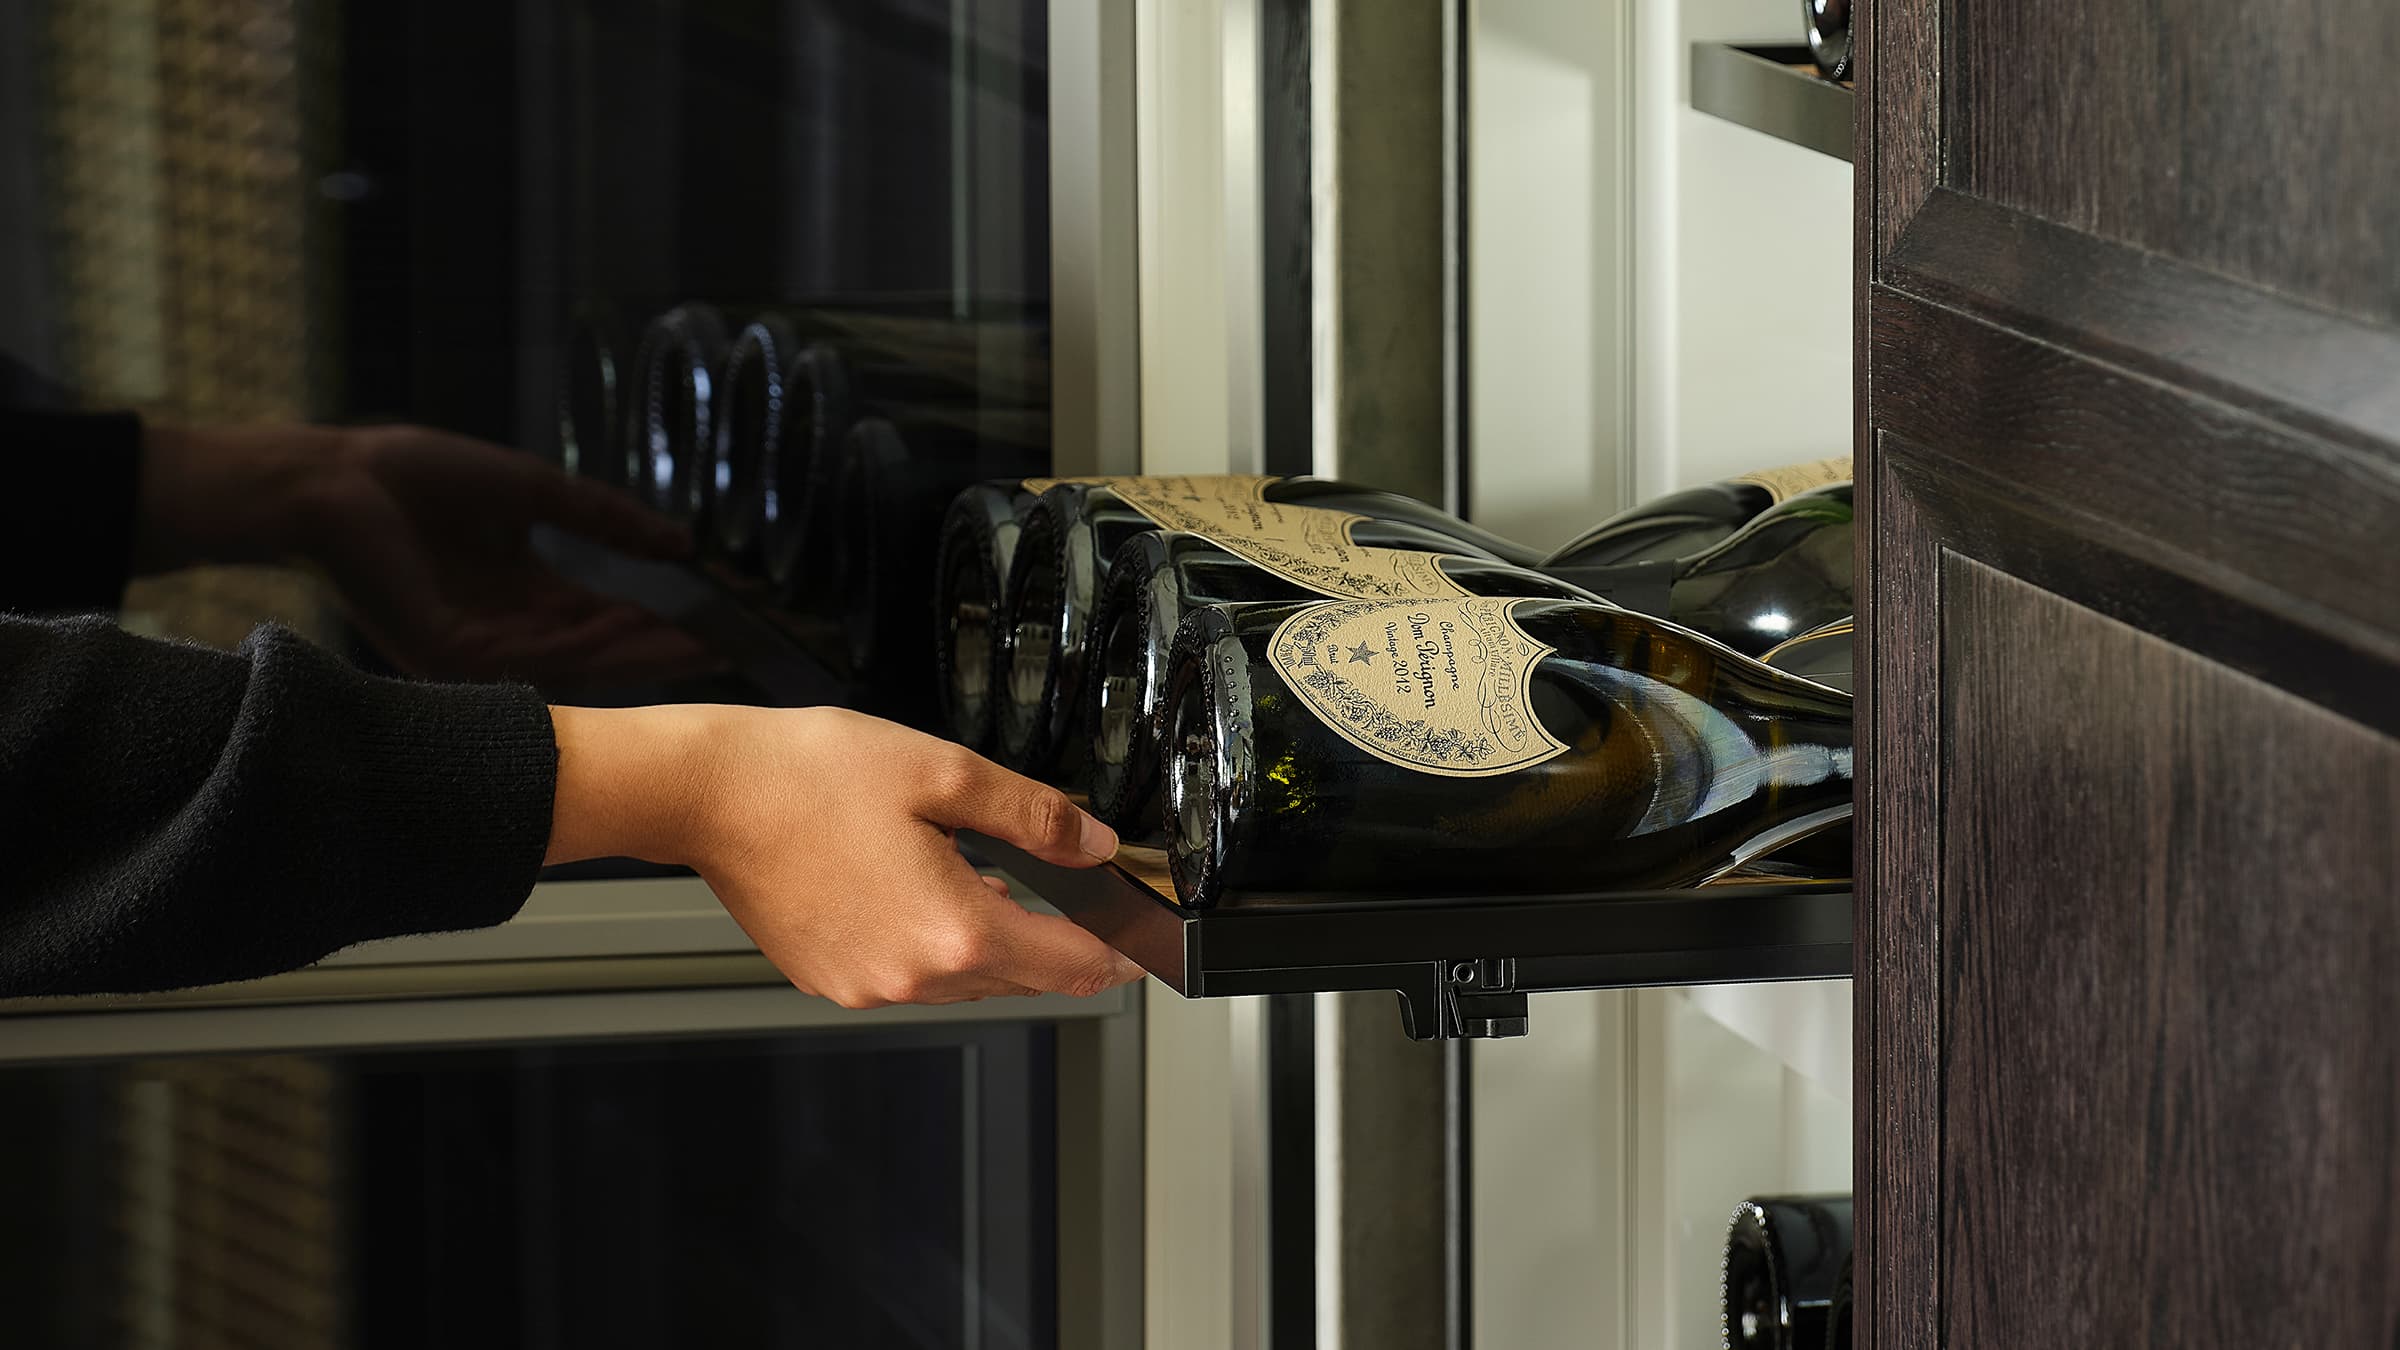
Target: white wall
[
  {"x": 1550, "y": 124},
  {"x": 1742, "y": 258},
  {"x": 1659, "y": 298}
]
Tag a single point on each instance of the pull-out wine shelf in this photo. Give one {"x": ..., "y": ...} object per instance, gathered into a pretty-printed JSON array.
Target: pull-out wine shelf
[
  {"x": 1462, "y": 966},
  {"x": 1773, "y": 90}
]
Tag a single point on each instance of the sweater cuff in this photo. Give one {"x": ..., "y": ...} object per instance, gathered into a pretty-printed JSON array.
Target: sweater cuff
[{"x": 449, "y": 788}]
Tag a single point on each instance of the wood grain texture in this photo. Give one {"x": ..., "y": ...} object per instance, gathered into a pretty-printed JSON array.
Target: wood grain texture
[
  {"x": 2128, "y": 330},
  {"x": 1896, "y": 944},
  {"x": 2252, "y": 139},
  {"x": 2172, "y": 1088}
]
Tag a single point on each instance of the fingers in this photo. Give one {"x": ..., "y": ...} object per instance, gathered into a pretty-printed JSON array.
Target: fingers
[
  {"x": 1054, "y": 955},
  {"x": 970, "y": 792}
]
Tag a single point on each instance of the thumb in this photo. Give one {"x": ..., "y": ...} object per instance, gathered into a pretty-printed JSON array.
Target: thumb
[{"x": 981, "y": 796}]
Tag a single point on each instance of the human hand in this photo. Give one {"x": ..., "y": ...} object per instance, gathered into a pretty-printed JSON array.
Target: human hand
[
  {"x": 831, "y": 837},
  {"x": 427, "y": 537}
]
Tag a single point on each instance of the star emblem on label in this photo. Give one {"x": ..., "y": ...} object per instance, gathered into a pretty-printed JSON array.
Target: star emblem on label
[{"x": 1363, "y": 652}]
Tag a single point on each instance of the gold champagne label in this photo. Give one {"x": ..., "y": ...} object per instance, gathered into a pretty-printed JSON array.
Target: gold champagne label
[
  {"x": 1305, "y": 545},
  {"x": 1792, "y": 478},
  {"x": 1439, "y": 686}
]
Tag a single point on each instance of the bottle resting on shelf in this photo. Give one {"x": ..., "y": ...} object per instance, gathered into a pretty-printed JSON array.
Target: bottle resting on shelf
[
  {"x": 1820, "y": 654},
  {"x": 1684, "y": 523},
  {"x": 1481, "y": 747},
  {"x": 978, "y": 541},
  {"x": 1839, "y": 1311},
  {"x": 1309, "y": 529},
  {"x": 1783, "y": 1258},
  {"x": 1789, "y": 570},
  {"x": 1157, "y": 578},
  {"x": 1826, "y": 25}
]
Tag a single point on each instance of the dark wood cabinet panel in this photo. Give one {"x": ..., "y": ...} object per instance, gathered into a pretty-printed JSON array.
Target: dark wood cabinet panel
[
  {"x": 2254, "y": 139},
  {"x": 2171, "y": 1062},
  {"x": 2129, "y": 688}
]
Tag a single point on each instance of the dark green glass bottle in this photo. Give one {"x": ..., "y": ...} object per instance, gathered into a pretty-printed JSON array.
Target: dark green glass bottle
[
  {"x": 1789, "y": 570},
  {"x": 1072, "y": 532},
  {"x": 1157, "y": 578},
  {"x": 977, "y": 544},
  {"x": 1784, "y": 1256},
  {"x": 1820, "y": 654},
  {"x": 1481, "y": 747},
  {"x": 1684, "y": 523}
]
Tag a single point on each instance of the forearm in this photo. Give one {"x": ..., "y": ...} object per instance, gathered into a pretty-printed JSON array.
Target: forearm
[{"x": 181, "y": 816}]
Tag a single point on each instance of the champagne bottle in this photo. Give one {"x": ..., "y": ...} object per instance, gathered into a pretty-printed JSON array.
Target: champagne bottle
[
  {"x": 978, "y": 541},
  {"x": 1820, "y": 654},
  {"x": 1789, "y": 570},
  {"x": 1827, "y": 26},
  {"x": 1684, "y": 523},
  {"x": 588, "y": 412},
  {"x": 894, "y": 479},
  {"x": 1481, "y": 747},
  {"x": 1157, "y": 578},
  {"x": 1839, "y": 1312},
  {"x": 676, "y": 372},
  {"x": 1783, "y": 1257},
  {"x": 1306, "y": 526},
  {"x": 749, "y": 435}
]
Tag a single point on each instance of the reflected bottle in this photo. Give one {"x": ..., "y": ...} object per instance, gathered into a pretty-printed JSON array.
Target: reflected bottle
[
  {"x": 589, "y": 414},
  {"x": 1684, "y": 523},
  {"x": 673, "y": 407},
  {"x": 1784, "y": 1257},
  {"x": 1788, "y": 571},
  {"x": 1157, "y": 578},
  {"x": 1072, "y": 532},
  {"x": 749, "y": 435},
  {"x": 1481, "y": 747},
  {"x": 796, "y": 504}
]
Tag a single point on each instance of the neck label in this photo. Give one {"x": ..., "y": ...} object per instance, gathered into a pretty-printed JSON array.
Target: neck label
[
  {"x": 1305, "y": 545},
  {"x": 1439, "y": 686},
  {"x": 1794, "y": 478}
]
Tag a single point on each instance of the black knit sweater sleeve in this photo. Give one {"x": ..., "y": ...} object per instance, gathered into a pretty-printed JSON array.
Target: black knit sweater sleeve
[{"x": 172, "y": 815}]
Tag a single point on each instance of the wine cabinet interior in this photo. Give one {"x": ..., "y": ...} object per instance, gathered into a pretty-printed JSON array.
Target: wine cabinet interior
[
  {"x": 1462, "y": 966},
  {"x": 1774, "y": 90}
]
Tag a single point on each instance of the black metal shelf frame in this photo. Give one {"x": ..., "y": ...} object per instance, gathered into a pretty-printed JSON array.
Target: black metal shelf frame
[
  {"x": 1461, "y": 966},
  {"x": 1774, "y": 90}
]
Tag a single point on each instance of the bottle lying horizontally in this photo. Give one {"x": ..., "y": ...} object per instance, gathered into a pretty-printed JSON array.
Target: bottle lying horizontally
[
  {"x": 1790, "y": 569},
  {"x": 1309, "y": 529},
  {"x": 1681, "y": 524},
  {"x": 1157, "y": 578},
  {"x": 756, "y": 403},
  {"x": 590, "y": 419},
  {"x": 1820, "y": 654},
  {"x": 1481, "y": 746},
  {"x": 978, "y": 543},
  {"x": 671, "y": 408},
  {"x": 1784, "y": 1258},
  {"x": 894, "y": 477}
]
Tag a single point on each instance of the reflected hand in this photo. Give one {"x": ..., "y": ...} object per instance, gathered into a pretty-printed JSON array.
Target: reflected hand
[
  {"x": 830, "y": 837},
  {"x": 427, "y": 537}
]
